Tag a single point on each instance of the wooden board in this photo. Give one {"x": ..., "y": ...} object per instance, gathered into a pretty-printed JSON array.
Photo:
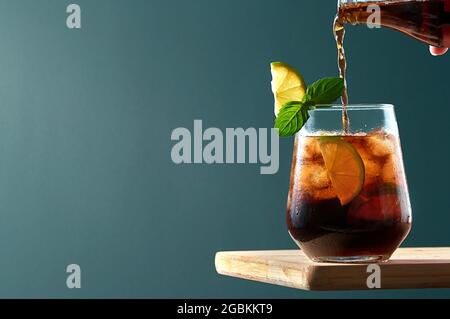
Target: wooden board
[{"x": 408, "y": 268}]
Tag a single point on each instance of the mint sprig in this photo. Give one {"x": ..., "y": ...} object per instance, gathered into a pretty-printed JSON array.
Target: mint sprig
[
  {"x": 291, "y": 118},
  {"x": 294, "y": 114}
]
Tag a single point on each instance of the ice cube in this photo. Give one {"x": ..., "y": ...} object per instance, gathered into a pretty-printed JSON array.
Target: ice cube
[
  {"x": 392, "y": 173},
  {"x": 373, "y": 170},
  {"x": 314, "y": 176},
  {"x": 381, "y": 144},
  {"x": 324, "y": 194},
  {"x": 309, "y": 147}
]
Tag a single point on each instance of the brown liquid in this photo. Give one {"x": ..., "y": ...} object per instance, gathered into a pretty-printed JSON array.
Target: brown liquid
[
  {"x": 339, "y": 34},
  {"x": 373, "y": 224},
  {"x": 326, "y": 229}
]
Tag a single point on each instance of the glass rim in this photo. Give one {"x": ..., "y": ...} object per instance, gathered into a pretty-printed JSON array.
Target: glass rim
[{"x": 352, "y": 107}]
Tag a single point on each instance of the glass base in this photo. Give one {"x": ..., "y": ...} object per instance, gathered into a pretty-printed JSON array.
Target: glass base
[{"x": 351, "y": 259}]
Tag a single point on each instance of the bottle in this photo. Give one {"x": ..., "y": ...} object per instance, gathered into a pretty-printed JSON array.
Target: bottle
[{"x": 425, "y": 20}]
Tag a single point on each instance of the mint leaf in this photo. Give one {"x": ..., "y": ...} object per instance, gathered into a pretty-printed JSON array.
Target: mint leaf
[
  {"x": 293, "y": 115},
  {"x": 291, "y": 118},
  {"x": 324, "y": 91}
]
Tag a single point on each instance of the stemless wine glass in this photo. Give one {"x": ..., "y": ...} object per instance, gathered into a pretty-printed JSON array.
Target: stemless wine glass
[{"x": 348, "y": 198}]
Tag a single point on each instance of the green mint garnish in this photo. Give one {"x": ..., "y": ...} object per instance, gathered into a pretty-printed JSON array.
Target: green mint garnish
[
  {"x": 293, "y": 115},
  {"x": 325, "y": 91}
]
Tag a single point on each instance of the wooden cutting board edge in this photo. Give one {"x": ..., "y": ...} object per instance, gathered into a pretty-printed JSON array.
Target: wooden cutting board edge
[{"x": 307, "y": 275}]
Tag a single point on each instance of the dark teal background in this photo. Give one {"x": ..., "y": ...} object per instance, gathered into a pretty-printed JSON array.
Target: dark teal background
[{"x": 85, "y": 121}]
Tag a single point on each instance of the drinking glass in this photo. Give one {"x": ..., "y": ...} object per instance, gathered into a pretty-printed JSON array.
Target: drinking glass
[{"x": 348, "y": 198}]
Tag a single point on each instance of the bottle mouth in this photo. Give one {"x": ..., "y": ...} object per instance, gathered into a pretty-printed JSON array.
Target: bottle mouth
[{"x": 352, "y": 107}]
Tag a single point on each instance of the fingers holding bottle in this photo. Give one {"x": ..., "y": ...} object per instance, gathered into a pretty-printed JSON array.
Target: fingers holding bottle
[{"x": 437, "y": 51}]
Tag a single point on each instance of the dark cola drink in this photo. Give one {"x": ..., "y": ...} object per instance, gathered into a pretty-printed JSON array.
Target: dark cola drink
[{"x": 361, "y": 215}]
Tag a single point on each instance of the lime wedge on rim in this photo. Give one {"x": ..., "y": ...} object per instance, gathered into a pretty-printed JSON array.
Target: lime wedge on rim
[{"x": 287, "y": 84}]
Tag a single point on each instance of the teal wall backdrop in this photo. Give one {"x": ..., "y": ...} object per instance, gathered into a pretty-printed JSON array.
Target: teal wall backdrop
[{"x": 85, "y": 121}]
